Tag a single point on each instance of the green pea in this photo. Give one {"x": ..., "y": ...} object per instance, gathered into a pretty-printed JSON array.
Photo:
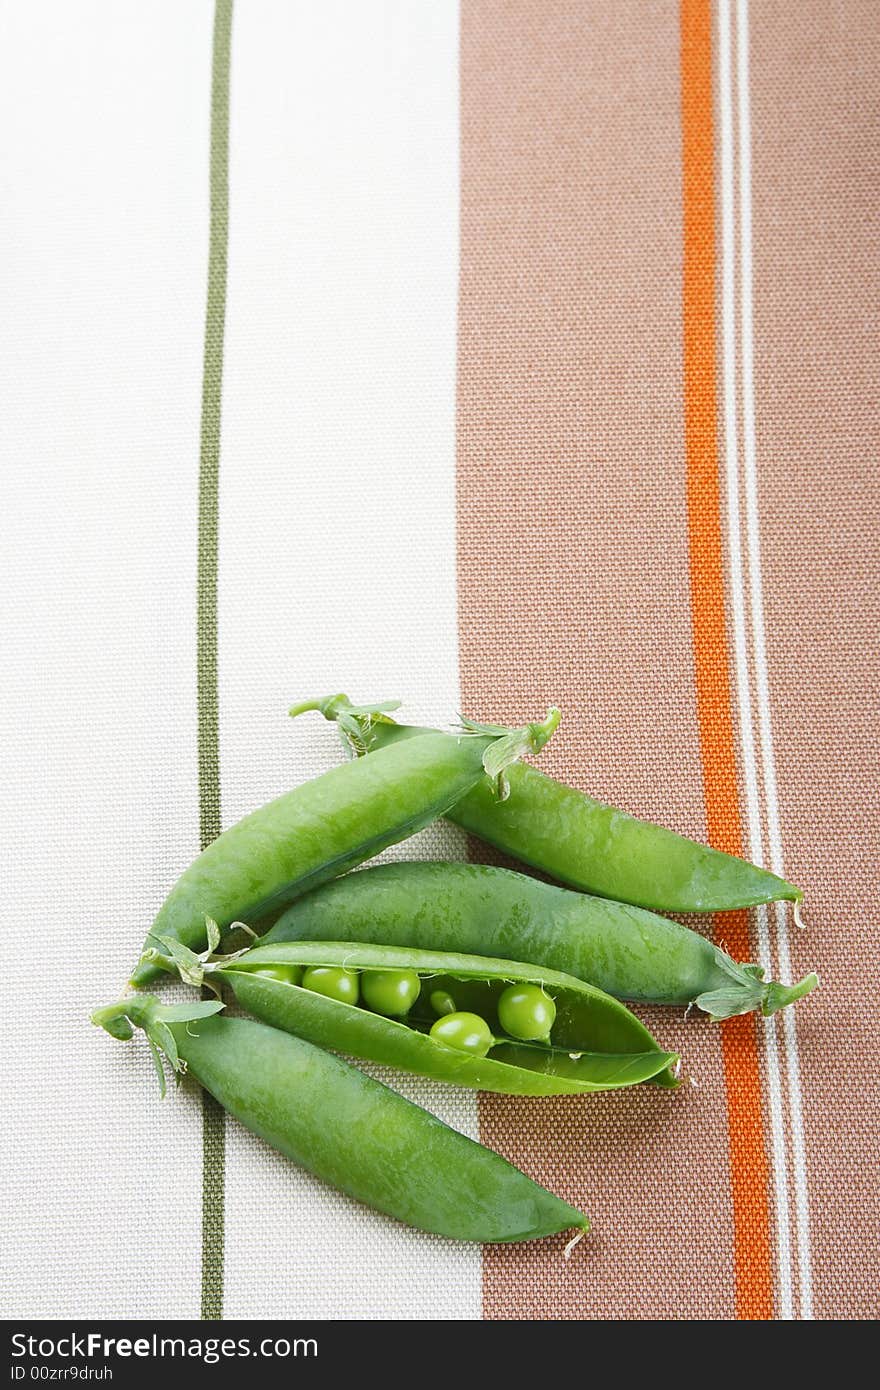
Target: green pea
[
  {"x": 464, "y": 1032},
  {"x": 391, "y": 992},
  {"x": 442, "y": 1002},
  {"x": 284, "y": 974},
  {"x": 527, "y": 1013},
  {"x": 333, "y": 982}
]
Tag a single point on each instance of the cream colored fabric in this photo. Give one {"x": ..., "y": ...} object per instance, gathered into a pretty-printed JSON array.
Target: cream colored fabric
[{"x": 337, "y": 567}]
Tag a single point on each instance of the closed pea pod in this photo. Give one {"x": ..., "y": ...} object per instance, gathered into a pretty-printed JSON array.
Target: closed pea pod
[
  {"x": 580, "y": 841},
  {"x": 327, "y": 826},
  {"x": 596, "y": 1043},
  {"x": 348, "y": 1129},
  {"x": 478, "y": 909}
]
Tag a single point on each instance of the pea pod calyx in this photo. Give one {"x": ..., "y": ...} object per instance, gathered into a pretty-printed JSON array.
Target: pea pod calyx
[
  {"x": 748, "y": 990},
  {"x": 147, "y": 1012},
  {"x": 353, "y": 722},
  {"x": 192, "y": 966},
  {"x": 511, "y": 745}
]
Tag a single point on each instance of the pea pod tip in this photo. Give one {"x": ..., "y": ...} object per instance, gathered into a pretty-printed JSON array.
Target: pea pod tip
[{"x": 578, "y": 1236}]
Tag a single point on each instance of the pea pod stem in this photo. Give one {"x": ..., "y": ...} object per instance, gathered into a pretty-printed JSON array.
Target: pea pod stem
[
  {"x": 156, "y": 1020},
  {"x": 346, "y": 1128},
  {"x": 576, "y": 839},
  {"x": 478, "y": 909},
  {"x": 777, "y": 996},
  {"x": 330, "y": 825}
]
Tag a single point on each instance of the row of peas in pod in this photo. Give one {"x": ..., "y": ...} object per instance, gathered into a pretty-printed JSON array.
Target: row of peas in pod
[
  {"x": 526, "y": 1012},
  {"x": 474, "y": 975}
]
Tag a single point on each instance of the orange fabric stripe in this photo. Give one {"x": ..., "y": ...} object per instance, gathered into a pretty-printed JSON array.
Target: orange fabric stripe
[{"x": 750, "y": 1177}]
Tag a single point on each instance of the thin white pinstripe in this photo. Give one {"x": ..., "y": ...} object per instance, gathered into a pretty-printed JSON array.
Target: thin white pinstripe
[
  {"x": 789, "y": 1022},
  {"x": 747, "y": 605}
]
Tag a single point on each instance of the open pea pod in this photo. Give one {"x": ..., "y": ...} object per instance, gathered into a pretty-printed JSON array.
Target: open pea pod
[{"x": 595, "y": 1043}]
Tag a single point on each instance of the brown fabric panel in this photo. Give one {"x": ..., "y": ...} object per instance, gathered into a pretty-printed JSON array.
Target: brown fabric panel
[
  {"x": 816, "y": 156},
  {"x": 573, "y": 574}
]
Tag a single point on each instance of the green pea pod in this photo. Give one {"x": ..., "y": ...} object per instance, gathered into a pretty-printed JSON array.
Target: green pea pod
[
  {"x": 630, "y": 953},
  {"x": 350, "y": 1130},
  {"x": 328, "y": 826},
  {"x": 597, "y": 1044},
  {"x": 578, "y": 840}
]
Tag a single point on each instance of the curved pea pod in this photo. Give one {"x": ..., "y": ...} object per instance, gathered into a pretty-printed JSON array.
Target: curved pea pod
[
  {"x": 580, "y": 841},
  {"x": 348, "y": 1129},
  {"x": 596, "y": 1043},
  {"x": 329, "y": 825},
  {"x": 630, "y": 953}
]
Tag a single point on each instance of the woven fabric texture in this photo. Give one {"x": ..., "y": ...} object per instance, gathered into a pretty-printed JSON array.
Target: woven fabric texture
[{"x": 484, "y": 355}]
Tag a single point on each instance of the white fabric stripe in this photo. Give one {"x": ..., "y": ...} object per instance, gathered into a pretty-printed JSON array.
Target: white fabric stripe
[
  {"x": 738, "y": 609},
  {"x": 104, "y": 111},
  {"x": 760, "y": 650},
  {"x": 337, "y": 532}
]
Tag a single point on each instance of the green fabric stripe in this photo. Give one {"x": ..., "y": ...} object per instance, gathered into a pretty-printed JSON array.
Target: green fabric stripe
[{"x": 213, "y": 1126}]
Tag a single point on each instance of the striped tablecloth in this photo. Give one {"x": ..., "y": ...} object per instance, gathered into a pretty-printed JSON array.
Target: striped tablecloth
[{"x": 538, "y": 362}]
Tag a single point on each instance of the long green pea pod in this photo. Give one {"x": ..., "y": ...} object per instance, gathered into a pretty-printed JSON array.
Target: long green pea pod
[
  {"x": 578, "y": 840},
  {"x": 596, "y": 1043},
  {"x": 348, "y": 1129},
  {"x": 330, "y": 825},
  {"x": 477, "y": 909}
]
